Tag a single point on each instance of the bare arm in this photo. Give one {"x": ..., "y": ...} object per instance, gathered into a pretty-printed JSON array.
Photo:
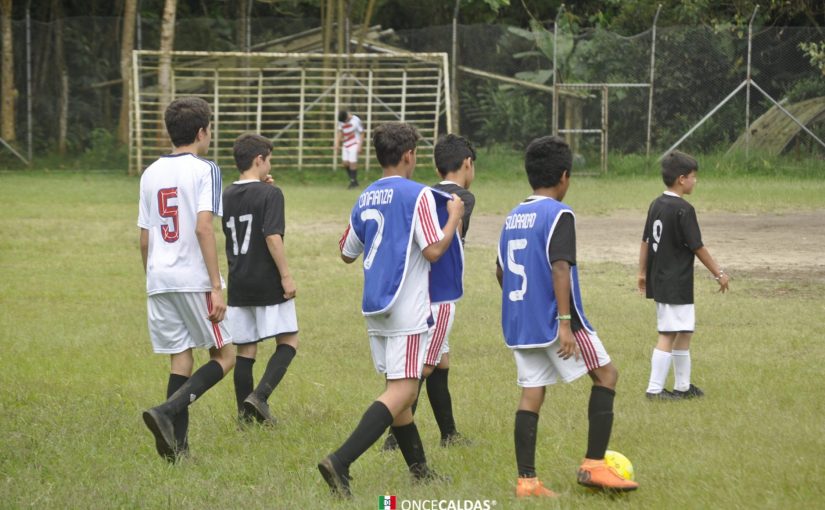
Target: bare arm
[
  {"x": 455, "y": 208},
  {"x": 561, "y": 287},
  {"x": 718, "y": 274},
  {"x": 206, "y": 239},
  {"x": 348, "y": 260},
  {"x": 642, "y": 277},
  {"x": 144, "y": 246},
  {"x": 275, "y": 244}
]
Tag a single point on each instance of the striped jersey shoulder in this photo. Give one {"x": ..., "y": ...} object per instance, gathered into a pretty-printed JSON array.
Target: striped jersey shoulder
[{"x": 217, "y": 183}]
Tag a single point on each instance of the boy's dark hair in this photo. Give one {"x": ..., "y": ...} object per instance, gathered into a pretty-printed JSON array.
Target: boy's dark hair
[
  {"x": 676, "y": 164},
  {"x": 451, "y": 151},
  {"x": 392, "y": 140},
  {"x": 342, "y": 116},
  {"x": 184, "y": 117},
  {"x": 249, "y": 146},
  {"x": 546, "y": 160}
]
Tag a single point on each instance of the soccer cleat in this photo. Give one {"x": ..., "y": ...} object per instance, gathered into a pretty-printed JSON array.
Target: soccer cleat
[
  {"x": 422, "y": 473},
  {"x": 532, "y": 487},
  {"x": 161, "y": 427},
  {"x": 390, "y": 444},
  {"x": 455, "y": 439},
  {"x": 258, "y": 409},
  {"x": 336, "y": 477},
  {"x": 597, "y": 474},
  {"x": 691, "y": 392},
  {"x": 664, "y": 395},
  {"x": 352, "y": 185}
]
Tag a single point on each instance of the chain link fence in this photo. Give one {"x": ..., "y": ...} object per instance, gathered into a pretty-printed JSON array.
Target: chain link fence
[{"x": 695, "y": 69}]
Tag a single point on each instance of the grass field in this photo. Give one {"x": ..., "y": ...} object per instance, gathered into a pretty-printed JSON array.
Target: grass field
[{"x": 77, "y": 368}]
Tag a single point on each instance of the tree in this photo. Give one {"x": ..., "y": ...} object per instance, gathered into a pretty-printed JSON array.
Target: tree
[
  {"x": 8, "y": 91},
  {"x": 127, "y": 44},
  {"x": 167, "y": 43}
]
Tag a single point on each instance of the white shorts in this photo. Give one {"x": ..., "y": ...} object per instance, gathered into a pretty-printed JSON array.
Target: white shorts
[
  {"x": 438, "y": 337},
  {"x": 350, "y": 154},
  {"x": 675, "y": 318},
  {"x": 399, "y": 357},
  {"x": 178, "y": 321},
  {"x": 250, "y": 324},
  {"x": 542, "y": 366}
]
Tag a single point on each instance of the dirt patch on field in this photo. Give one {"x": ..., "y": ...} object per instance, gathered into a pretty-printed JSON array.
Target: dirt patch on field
[{"x": 792, "y": 245}]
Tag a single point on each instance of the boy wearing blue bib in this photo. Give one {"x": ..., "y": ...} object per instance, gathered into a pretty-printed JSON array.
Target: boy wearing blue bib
[
  {"x": 395, "y": 225},
  {"x": 543, "y": 319}
]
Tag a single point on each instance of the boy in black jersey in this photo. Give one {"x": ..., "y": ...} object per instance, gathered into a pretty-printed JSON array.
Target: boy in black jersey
[
  {"x": 455, "y": 162},
  {"x": 261, "y": 289},
  {"x": 670, "y": 241}
]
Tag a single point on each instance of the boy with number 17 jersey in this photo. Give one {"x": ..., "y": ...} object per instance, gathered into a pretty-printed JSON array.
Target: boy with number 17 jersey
[{"x": 261, "y": 288}]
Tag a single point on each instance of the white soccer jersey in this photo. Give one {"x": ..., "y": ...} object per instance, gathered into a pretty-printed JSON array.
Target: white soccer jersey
[
  {"x": 408, "y": 314},
  {"x": 173, "y": 190},
  {"x": 350, "y": 131}
]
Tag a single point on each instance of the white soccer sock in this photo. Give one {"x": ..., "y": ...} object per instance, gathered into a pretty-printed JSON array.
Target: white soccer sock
[
  {"x": 681, "y": 370},
  {"x": 659, "y": 367}
]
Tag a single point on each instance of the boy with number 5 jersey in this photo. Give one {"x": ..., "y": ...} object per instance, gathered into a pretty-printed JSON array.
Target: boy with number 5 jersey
[
  {"x": 261, "y": 288},
  {"x": 670, "y": 241},
  {"x": 543, "y": 319},
  {"x": 395, "y": 226},
  {"x": 179, "y": 195}
]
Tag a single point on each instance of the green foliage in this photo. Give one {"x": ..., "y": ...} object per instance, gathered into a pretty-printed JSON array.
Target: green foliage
[{"x": 505, "y": 113}]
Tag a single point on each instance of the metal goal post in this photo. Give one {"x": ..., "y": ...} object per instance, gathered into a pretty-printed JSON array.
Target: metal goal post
[{"x": 291, "y": 98}]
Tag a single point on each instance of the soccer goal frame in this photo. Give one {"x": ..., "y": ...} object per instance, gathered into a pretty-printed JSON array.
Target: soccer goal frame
[{"x": 291, "y": 98}]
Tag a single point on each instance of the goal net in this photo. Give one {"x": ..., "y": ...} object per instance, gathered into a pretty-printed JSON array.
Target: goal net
[{"x": 290, "y": 98}]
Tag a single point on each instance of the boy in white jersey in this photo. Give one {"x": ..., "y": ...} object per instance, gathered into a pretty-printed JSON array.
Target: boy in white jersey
[
  {"x": 543, "y": 319},
  {"x": 261, "y": 288},
  {"x": 179, "y": 195},
  {"x": 350, "y": 137},
  {"x": 395, "y": 225}
]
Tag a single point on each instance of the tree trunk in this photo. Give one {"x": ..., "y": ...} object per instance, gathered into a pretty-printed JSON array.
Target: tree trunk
[
  {"x": 242, "y": 23},
  {"x": 167, "y": 42},
  {"x": 127, "y": 44},
  {"x": 9, "y": 93},
  {"x": 63, "y": 73}
]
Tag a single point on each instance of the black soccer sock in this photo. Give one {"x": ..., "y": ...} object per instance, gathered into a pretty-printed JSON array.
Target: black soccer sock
[
  {"x": 275, "y": 370},
  {"x": 440, "y": 400},
  {"x": 600, "y": 415},
  {"x": 351, "y": 175},
  {"x": 414, "y": 405},
  {"x": 527, "y": 424},
  {"x": 204, "y": 378},
  {"x": 242, "y": 377},
  {"x": 181, "y": 422},
  {"x": 372, "y": 425},
  {"x": 409, "y": 442}
]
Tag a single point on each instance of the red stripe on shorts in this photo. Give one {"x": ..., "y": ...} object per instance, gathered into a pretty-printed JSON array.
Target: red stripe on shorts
[
  {"x": 216, "y": 330},
  {"x": 413, "y": 342},
  {"x": 439, "y": 334},
  {"x": 591, "y": 359}
]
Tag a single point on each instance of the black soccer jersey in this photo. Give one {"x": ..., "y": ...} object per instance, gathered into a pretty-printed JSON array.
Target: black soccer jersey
[
  {"x": 469, "y": 202},
  {"x": 252, "y": 210},
  {"x": 672, "y": 235}
]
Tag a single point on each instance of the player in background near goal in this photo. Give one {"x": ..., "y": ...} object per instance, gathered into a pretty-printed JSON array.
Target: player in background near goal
[
  {"x": 455, "y": 162},
  {"x": 670, "y": 241},
  {"x": 261, "y": 288},
  {"x": 179, "y": 195},
  {"x": 395, "y": 226},
  {"x": 543, "y": 318},
  {"x": 350, "y": 137}
]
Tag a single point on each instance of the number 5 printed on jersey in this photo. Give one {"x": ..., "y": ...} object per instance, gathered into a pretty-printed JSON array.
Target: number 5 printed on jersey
[
  {"x": 517, "y": 269},
  {"x": 376, "y": 216},
  {"x": 165, "y": 210}
]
